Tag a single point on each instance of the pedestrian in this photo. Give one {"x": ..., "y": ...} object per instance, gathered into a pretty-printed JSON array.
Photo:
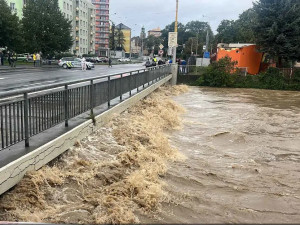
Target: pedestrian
[
  {"x": 34, "y": 59},
  {"x": 109, "y": 62},
  {"x": 1, "y": 58},
  {"x": 9, "y": 58},
  {"x": 13, "y": 60},
  {"x": 183, "y": 65},
  {"x": 83, "y": 64},
  {"x": 38, "y": 59}
]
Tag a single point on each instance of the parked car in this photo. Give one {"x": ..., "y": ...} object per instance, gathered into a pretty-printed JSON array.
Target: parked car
[
  {"x": 124, "y": 60},
  {"x": 24, "y": 57},
  {"x": 69, "y": 62}
]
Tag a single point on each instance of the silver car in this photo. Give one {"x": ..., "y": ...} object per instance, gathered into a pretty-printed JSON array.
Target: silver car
[{"x": 69, "y": 62}]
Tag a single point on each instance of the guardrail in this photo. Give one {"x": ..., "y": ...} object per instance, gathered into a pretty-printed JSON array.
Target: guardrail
[{"x": 32, "y": 113}]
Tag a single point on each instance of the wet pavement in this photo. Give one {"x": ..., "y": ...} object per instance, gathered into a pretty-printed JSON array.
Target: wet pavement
[{"x": 46, "y": 76}]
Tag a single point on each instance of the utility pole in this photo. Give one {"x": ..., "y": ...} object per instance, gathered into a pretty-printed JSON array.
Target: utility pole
[
  {"x": 197, "y": 46},
  {"x": 207, "y": 40},
  {"x": 175, "y": 30}
]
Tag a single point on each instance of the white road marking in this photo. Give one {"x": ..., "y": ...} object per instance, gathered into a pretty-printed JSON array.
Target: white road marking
[{"x": 1, "y": 78}]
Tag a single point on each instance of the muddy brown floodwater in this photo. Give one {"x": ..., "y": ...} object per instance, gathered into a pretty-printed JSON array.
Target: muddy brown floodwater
[
  {"x": 232, "y": 156},
  {"x": 243, "y": 166}
]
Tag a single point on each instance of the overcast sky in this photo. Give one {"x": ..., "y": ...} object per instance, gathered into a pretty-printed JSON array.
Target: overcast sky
[{"x": 154, "y": 13}]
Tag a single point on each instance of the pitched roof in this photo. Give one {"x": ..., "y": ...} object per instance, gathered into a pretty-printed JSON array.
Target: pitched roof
[{"x": 123, "y": 27}]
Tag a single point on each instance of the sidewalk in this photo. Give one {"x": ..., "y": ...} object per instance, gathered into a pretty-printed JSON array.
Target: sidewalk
[{"x": 6, "y": 68}]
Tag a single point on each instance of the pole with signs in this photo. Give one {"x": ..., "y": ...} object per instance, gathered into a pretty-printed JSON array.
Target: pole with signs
[{"x": 175, "y": 31}]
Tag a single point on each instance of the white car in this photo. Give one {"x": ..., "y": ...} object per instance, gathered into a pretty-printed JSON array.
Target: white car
[
  {"x": 124, "y": 60},
  {"x": 69, "y": 62}
]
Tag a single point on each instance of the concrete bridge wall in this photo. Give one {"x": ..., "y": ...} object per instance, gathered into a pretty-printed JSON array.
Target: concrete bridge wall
[{"x": 12, "y": 173}]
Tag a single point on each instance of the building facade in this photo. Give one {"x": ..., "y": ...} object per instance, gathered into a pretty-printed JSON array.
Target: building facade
[
  {"x": 16, "y": 6},
  {"x": 127, "y": 36},
  {"x": 102, "y": 27},
  {"x": 155, "y": 32},
  {"x": 82, "y": 15}
]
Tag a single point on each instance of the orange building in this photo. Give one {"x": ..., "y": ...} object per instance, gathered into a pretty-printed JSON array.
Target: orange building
[{"x": 246, "y": 55}]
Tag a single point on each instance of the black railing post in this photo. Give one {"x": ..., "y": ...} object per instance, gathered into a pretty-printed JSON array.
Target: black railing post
[
  {"x": 145, "y": 75},
  {"x": 2, "y": 129},
  {"x": 26, "y": 119},
  {"x": 130, "y": 76},
  {"x": 121, "y": 88},
  {"x": 92, "y": 97},
  {"x": 66, "y": 104},
  {"x": 136, "y": 83},
  {"x": 108, "y": 92}
]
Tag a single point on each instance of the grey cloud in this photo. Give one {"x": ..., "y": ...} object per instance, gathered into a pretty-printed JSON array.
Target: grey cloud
[{"x": 154, "y": 13}]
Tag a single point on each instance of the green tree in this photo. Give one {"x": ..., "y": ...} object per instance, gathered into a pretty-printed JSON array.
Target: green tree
[
  {"x": 227, "y": 31},
  {"x": 277, "y": 28},
  {"x": 183, "y": 36},
  {"x": 10, "y": 32},
  {"x": 120, "y": 39},
  {"x": 245, "y": 25},
  {"x": 45, "y": 28},
  {"x": 152, "y": 43},
  {"x": 112, "y": 37}
]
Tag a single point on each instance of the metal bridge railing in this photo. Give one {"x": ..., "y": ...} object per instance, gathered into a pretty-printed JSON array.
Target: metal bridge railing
[{"x": 32, "y": 113}]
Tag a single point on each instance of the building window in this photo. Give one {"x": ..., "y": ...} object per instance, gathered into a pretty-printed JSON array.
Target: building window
[
  {"x": 64, "y": 5},
  {"x": 12, "y": 6}
]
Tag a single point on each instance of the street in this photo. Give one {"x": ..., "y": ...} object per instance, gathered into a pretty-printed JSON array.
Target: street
[{"x": 24, "y": 79}]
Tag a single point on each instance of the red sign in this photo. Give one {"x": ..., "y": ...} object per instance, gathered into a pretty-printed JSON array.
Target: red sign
[{"x": 161, "y": 52}]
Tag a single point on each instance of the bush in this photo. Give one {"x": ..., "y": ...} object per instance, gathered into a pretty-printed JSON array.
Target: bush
[
  {"x": 219, "y": 74},
  {"x": 272, "y": 79},
  {"x": 224, "y": 74}
]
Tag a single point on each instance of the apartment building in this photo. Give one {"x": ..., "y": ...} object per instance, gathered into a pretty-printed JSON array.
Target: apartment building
[
  {"x": 16, "y": 6},
  {"x": 82, "y": 15},
  {"x": 127, "y": 36},
  {"x": 102, "y": 27}
]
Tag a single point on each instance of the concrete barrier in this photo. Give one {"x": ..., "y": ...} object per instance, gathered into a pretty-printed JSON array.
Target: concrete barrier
[{"x": 12, "y": 173}]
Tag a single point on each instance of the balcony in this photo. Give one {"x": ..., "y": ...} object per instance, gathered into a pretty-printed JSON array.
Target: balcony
[
  {"x": 77, "y": 38},
  {"x": 77, "y": 28},
  {"x": 77, "y": 8},
  {"x": 102, "y": 26},
  {"x": 77, "y": 18},
  {"x": 102, "y": 20}
]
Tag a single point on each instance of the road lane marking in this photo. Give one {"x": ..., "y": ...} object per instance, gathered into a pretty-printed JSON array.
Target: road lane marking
[{"x": 2, "y": 78}]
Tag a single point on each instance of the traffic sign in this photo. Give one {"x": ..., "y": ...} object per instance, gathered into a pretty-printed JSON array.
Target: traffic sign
[
  {"x": 161, "y": 52},
  {"x": 204, "y": 47},
  {"x": 161, "y": 46},
  {"x": 172, "y": 39},
  {"x": 206, "y": 55}
]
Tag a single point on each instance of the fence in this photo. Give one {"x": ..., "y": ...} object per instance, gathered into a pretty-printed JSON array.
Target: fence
[
  {"x": 34, "y": 113},
  {"x": 191, "y": 70}
]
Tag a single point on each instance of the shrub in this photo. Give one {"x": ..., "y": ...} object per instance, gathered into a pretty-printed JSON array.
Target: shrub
[
  {"x": 272, "y": 79},
  {"x": 219, "y": 74}
]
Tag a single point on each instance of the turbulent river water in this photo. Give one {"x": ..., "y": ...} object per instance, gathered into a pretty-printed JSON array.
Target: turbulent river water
[
  {"x": 232, "y": 156},
  {"x": 243, "y": 166}
]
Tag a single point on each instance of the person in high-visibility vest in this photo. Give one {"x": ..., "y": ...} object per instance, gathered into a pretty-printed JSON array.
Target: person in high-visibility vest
[{"x": 34, "y": 59}]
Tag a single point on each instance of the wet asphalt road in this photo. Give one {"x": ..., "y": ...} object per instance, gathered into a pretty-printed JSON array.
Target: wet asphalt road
[{"x": 30, "y": 78}]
